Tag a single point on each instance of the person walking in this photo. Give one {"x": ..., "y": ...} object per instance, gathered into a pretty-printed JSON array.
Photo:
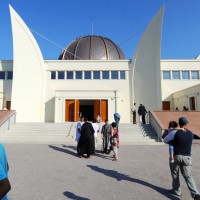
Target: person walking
[
  {"x": 96, "y": 131},
  {"x": 4, "y": 182},
  {"x": 115, "y": 141},
  {"x": 142, "y": 112},
  {"x": 133, "y": 110},
  {"x": 105, "y": 135},
  {"x": 117, "y": 118},
  {"x": 182, "y": 142},
  {"x": 78, "y": 132},
  {"x": 87, "y": 139}
]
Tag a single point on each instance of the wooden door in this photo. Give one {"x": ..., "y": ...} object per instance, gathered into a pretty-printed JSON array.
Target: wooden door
[
  {"x": 192, "y": 103},
  {"x": 166, "y": 105},
  {"x": 104, "y": 109},
  {"x": 77, "y": 103},
  {"x": 69, "y": 110},
  {"x": 8, "y": 105},
  {"x": 96, "y": 108}
]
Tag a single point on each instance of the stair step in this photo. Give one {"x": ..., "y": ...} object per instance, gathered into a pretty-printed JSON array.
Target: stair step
[{"x": 58, "y": 133}]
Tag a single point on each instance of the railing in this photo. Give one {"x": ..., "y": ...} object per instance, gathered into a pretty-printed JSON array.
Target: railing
[
  {"x": 156, "y": 127},
  {"x": 6, "y": 120}
]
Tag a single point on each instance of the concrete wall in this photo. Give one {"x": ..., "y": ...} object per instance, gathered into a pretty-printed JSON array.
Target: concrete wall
[
  {"x": 28, "y": 73},
  {"x": 145, "y": 66}
]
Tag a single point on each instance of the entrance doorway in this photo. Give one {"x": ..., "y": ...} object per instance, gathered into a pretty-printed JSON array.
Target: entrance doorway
[
  {"x": 90, "y": 108},
  {"x": 166, "y": 105},
  {"x": 192, "y": 103},
  {"x": 86, "y": 109}
]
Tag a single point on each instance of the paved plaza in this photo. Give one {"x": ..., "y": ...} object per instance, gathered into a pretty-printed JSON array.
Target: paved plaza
[{"x": 54, "y": 172}]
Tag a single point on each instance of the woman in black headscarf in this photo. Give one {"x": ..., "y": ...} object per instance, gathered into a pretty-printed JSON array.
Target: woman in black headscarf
[{"x": 87, "y": 139}]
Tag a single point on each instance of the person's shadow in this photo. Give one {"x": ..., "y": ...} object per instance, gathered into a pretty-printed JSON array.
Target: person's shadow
[
  {"x": 64, "y": 150},
  {"x": 119, "y": 176},
  {"x": 71, "y": 195}
]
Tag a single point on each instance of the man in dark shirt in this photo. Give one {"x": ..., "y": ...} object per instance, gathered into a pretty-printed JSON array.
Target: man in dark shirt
[
  {"x": 142, "y": 112},
  {"x": 183, "y": 162}
]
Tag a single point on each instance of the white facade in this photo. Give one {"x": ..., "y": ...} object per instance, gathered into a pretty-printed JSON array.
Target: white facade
[
  {"x": 115, "y": 91},
  {"x": 179, "y": 75},
  {"x": 39, "y": 89}
]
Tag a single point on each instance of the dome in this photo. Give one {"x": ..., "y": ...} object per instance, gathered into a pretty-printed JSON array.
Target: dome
[{"x": 92, "y": 48}]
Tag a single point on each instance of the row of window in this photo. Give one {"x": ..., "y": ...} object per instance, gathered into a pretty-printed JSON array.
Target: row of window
[
  {"x": 88, "y": 75},
  {"x": 6, "y": 75},
  {"x": 183, "y": 75}
]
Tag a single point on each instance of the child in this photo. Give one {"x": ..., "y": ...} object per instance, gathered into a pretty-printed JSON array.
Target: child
[
  {"x": 115, "y": 141},
  {"x": 172, "y": 126}
]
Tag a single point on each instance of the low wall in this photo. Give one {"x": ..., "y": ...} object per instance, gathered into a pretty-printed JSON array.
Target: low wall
[
  {"x": 7, "y": 118},
  {"x": 156, "y": 127}
]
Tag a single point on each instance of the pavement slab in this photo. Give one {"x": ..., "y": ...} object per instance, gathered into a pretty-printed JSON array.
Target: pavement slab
[{"x": 54, "y": 172}]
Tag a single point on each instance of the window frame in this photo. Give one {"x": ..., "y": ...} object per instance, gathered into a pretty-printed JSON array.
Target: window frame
[
  {"x": 163, "y": 77},
  {"x": 106, "y": 73}
]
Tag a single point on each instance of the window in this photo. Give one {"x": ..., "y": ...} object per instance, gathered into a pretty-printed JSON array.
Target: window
[
  {"x": 53, "y": 75},
  {"x": 194, "y": 74},
  {"x": 70, "y": 75},
  {"x": 185, "y": 75},
  {"x": 166, "y": 75},
  {"x": 114, "y": 75},
  {"x": 78, "y": 75},
  {"x": 88, "y": 75},
  {"x": 61, "y": 75},
  {"x": 176, "y": 75},
  {"x": 9, "y": 75},
  {"x": 122, "y": 75},
  {"x": 96, "y": 75},
  {"x": 105, "y": 75},
  {"x": 2, "y": 75}
]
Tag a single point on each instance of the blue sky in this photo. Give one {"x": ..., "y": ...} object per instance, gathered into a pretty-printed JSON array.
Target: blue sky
[{"x": 62, "y": 21}]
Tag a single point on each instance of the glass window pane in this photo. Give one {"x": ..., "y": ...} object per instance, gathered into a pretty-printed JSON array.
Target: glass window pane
[
  {"x": 9, "y": 75},
  {"x": 176, "y": 75},
  {"x": 166, "y": 75},
  {"x": 78, "y": 75},
  {"x": 61, "y": 75},
  {"x": 194, "y": 74},
  {"x": 53, "y": 75},
  {"x": 96, "y": 75},
  {"x": 185, "y": 75},
  {"x": 114, "y": 75},
  {"x": 2, "y": 75},
  {"x": 105, "y": 75},
  {"x": 87, "y": 75},
  {"x": 70, "y": 75},
  {"x": 122, "y": 75}
]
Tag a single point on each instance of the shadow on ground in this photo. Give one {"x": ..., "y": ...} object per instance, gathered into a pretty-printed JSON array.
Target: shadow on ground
[
  {"x": 120, "y": 177},
  {"x": 64, "y": 150},
  {"x": 71, "y": 195}
]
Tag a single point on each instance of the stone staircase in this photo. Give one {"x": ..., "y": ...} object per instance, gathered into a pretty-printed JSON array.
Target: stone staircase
[{"x": 64, "y": 133}]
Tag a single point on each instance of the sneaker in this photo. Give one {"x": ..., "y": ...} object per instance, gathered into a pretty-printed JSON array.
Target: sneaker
[
  {"x": 197, "y": 197},
  {"x": 174, "y": 193},
  {"x": 172, "y": 161}
]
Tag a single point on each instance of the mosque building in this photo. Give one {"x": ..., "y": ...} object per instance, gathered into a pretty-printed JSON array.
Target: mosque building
[{"x": 92, "y": 77}]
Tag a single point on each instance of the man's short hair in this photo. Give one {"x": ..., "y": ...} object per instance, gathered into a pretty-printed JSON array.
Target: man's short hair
[{"x": 182, "y": 121}]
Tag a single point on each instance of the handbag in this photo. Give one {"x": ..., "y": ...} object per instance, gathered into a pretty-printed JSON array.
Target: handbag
[{"x": 113, "y": 140}]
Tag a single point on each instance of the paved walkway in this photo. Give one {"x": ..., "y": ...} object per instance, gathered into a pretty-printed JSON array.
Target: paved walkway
[{"x": 53, "y": 172}]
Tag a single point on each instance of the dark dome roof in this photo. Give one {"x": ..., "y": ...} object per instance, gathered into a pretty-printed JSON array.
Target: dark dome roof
[{"x": 92, "y": 48}]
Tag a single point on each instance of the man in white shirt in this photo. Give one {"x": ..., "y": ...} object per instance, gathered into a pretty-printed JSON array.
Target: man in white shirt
[
  {"x": 133, "y": 110},
  {"x": 96, "y": 129}
]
